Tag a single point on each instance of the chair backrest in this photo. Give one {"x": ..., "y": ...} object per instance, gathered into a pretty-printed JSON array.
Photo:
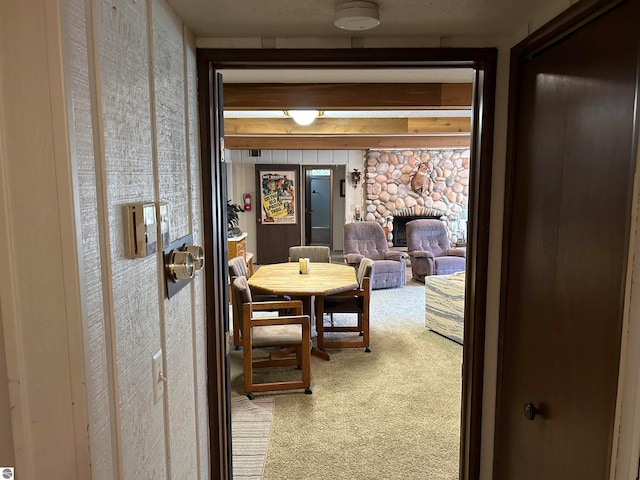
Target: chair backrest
[
  {"x": 428, "y": 235},
  {"x": 315, "y": 253},
  {"x": 238, "y": 268},
  {"x": 365, "y": 238},
  {"x": 365, "y": 269},
  {"x": 241, "y": 294}
]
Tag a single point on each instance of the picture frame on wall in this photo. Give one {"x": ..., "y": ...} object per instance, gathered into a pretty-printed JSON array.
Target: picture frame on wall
[{"x": 278, "y": 197}]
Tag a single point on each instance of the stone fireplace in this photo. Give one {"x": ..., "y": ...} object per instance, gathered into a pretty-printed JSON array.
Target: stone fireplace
[
  {"x": 419, "y": 183},
  {"x": 400, "y": 227}
]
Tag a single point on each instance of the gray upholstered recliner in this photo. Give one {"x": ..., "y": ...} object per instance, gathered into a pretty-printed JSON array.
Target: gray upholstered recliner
[
  {"x": 430, "y": 250},
  {"x": 367, "y": 239}
]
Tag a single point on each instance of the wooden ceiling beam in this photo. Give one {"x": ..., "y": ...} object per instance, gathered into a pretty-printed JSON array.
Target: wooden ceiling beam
[
  {"x": 351, "y": 96},
  {"x": 342, "y": 142},
  {"x": 347, "y": 126}
]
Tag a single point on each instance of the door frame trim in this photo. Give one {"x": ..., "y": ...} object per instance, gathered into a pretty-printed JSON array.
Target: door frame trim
[{"x": 484, "y": 61}]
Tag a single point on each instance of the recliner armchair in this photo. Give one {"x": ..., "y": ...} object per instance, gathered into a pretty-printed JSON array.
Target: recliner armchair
[
  {"x": 430, "y": 250},
  {"x": 367, "y": 239}
]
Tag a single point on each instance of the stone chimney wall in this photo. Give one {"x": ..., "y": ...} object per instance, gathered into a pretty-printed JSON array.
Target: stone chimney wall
[{"x": 418, "y": 182}]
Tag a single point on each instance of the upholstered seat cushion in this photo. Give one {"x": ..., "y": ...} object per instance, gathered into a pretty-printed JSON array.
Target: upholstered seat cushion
[
  {"x": 389, "y": 274},
  {"x": 277, "y": 335},
  {"x": 449, "y": 265}
]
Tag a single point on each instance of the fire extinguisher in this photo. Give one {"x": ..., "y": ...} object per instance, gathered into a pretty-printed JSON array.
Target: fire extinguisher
[{"x": 247, "y": 202}]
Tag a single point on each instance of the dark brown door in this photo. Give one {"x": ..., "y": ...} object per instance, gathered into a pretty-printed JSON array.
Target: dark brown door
[
  {"x": 566, "y": 245},
  {"x": 278, "y": 212}
]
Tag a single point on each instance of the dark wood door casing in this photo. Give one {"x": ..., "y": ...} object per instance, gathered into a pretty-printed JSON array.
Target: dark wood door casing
[
  {"x": 567, "y": 211},
  {"x": 215, "y": 270},
  {"x": 484, "y": 61}
]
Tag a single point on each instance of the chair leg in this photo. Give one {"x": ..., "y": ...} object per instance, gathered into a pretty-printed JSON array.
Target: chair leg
[{"x": 364, "y": 324}]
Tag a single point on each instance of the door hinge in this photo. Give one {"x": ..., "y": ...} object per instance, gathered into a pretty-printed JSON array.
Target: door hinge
[{"x": 227, "y": 343}]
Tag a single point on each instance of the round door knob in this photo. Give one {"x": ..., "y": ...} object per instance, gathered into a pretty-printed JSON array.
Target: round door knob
[
  {"x": 530, "y": 411},
  {"x": 180, "y": 265}
]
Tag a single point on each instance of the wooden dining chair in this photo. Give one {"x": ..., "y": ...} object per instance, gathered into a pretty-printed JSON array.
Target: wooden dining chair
[
  {"x": 315, "y": 253},
  {"x": 288, "y": 337},
  {"x": 238, "y": 268},
  {"x": 354, "y": 302}
]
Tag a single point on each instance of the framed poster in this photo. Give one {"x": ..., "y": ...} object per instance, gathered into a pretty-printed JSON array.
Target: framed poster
[{"x": 278, "y": 197}]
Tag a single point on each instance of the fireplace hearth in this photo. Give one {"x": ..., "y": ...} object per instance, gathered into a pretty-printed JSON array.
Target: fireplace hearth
[{"x": 400, "y": 227}]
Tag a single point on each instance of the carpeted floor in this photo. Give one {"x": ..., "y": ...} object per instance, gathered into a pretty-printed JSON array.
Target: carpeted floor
[{"x": 393, "y": 413}]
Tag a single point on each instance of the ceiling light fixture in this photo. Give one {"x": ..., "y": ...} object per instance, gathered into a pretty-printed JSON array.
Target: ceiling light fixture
[
  {"x": 303, "y": 117},
  {"x": 356, "y": 16}
]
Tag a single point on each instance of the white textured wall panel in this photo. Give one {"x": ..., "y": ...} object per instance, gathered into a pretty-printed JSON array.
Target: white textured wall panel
[
  {"x": 278, "y": 156},
  {"x": 169, "y": 82},
  {"x": 168, "y": 69},
  {"x": 82, "y": 145},
  {"x": 198, "y": 328},
  {"x": 309, "y": 157},
  {"x": 124, "y": 87}
]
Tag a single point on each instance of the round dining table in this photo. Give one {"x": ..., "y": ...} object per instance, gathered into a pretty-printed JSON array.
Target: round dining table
[{"x": 322, "y": 279}]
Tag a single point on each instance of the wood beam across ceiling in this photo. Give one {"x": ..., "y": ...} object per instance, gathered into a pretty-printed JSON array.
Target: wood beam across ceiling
[
  {"x": 352, "y": 96},
  {"x": 347, "y": 133},
  {"x": 347, "y": 126},
  {"x": 345, "y": 142}
]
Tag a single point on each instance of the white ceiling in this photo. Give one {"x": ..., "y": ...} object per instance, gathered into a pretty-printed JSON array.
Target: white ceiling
[{"x": 314, "y": 18}]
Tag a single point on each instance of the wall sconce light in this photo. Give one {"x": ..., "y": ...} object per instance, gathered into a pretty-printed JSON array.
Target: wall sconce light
[
  {"x": 355, "y": 177},
  {"x": 303, "y": 117}
]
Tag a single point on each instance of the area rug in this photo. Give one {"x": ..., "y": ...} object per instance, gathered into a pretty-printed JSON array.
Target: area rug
[{"x": 250, "y": 430}]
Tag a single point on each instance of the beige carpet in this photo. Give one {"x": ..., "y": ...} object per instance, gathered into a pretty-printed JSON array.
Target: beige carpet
[{"x": 393, "y": 413}]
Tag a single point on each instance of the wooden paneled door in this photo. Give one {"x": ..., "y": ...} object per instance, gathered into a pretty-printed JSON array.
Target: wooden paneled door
[
  {"x": 571, "y": 167},
  {"x": 278, "y": 212},
  {"x": 318, "y": 206}
]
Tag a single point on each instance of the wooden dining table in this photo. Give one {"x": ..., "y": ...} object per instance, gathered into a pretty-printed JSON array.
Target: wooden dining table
[{"x": 322, "y": 279}]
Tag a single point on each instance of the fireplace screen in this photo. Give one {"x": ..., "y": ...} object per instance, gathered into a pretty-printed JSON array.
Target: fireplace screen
[{"x": 400, "y": 229}]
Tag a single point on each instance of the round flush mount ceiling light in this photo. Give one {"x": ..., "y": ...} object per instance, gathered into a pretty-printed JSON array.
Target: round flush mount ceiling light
[
  {"x": 356, "y": 16},
  {"x": 303, "y": 117}
]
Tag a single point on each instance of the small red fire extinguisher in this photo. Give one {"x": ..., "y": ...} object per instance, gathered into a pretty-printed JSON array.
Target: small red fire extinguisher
[{"x": 247, "y": 202}]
